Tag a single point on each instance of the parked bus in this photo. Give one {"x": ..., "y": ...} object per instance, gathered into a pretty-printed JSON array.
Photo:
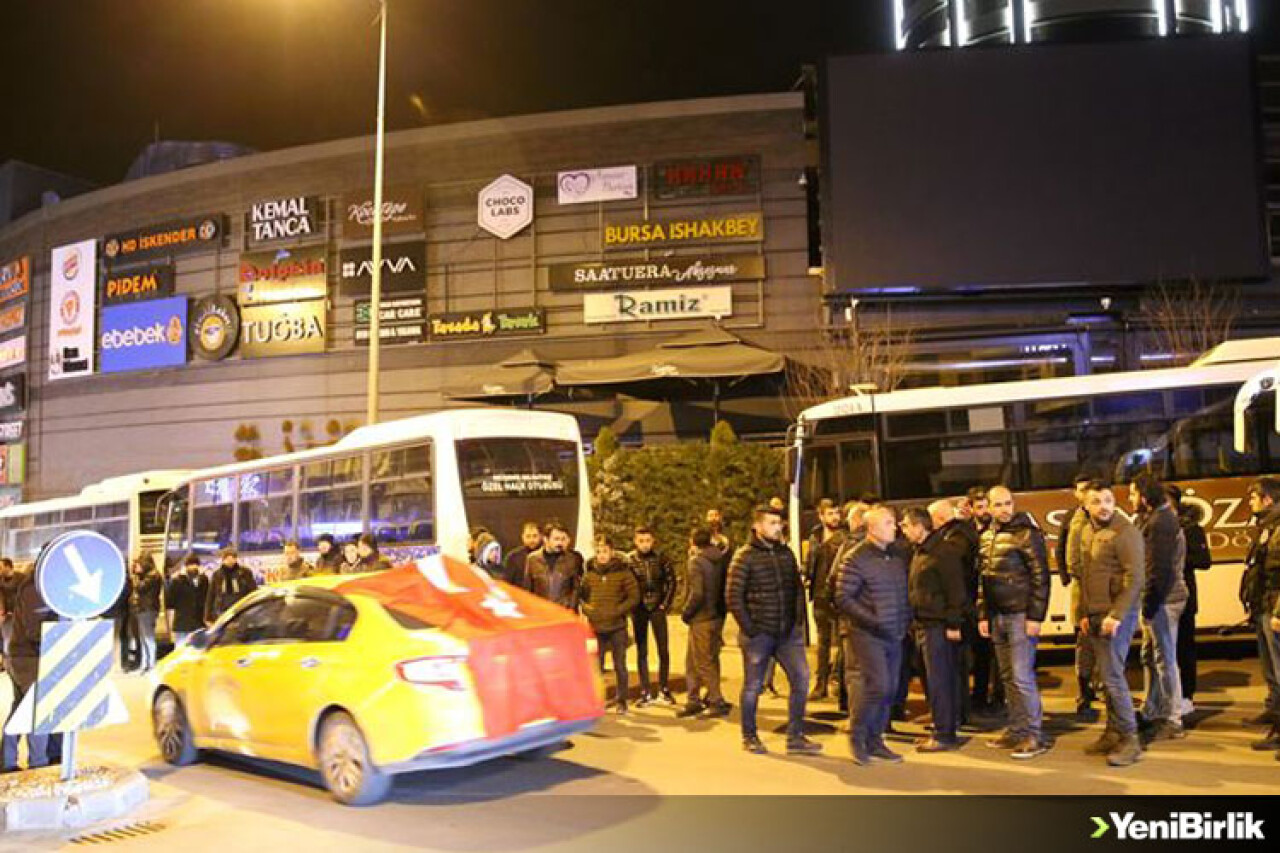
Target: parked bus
[
  {"x": 1034, "y": 436},
  {"x": 124, "y": 509},
  {"x": 413, "y": 483}
]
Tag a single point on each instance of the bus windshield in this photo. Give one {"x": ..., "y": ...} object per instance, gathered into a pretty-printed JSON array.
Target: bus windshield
[{"x": 507, "y": 481}]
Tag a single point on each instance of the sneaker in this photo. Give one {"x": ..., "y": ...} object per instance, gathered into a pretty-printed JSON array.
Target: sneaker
[
  {"x": 1168, "y": 730},
  {"x": 934, "y": 744},
  {"x": 1109, "y": 740},
  {"x": 1006, "y": 740},
  {"x": 1264, "y": 720},
  {"x": 754, "y": 745},
  {"x": 803, "y": 746},
  {"x": 1028, "y": 748},
  {"x": 1127, "y": 752},
  {"x": 1187, "y": 708},
  {"x": 644, "y": 701},
  {"x": 719, "y": 709},
  {"x": 882, "y": 754},
  {"x": 1270, "y": 743},
  {"x": 666, "y": 698},
  {"x": 692, "y": 709},
  {"x": 620, "y": 710}
]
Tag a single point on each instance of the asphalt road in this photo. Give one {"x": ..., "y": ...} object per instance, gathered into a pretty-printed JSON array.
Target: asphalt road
[{"x": 626, "y": 780}]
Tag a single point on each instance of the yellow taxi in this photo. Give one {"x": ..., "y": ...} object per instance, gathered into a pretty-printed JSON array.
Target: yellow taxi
[{"x": 362, "y": 677}]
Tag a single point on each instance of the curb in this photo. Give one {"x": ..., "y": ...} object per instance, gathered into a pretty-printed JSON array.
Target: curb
[{"x": 39, "y": 799}]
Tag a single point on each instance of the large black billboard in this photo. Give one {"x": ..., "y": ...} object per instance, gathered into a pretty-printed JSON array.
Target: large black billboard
[{"x": 1091, "y": 163}]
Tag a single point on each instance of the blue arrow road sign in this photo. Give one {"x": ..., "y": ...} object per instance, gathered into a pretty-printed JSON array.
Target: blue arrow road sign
[{"x": 80, "y": 574}]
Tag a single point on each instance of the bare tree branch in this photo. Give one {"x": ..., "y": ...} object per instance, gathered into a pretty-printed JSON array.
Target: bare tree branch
[{"x": 1185, "y": 320}]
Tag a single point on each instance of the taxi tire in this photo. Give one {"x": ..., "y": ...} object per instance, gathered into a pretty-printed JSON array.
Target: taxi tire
[
  {"x": 341, "y": 748},
  {"x": 185, "y": 753}
]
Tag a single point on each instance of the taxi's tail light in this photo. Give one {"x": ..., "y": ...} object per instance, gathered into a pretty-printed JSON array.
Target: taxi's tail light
[{"x": 448, "y": 672}]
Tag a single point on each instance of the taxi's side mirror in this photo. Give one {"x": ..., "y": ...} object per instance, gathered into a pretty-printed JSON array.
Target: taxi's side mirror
[{"x": 199, "y": 639}]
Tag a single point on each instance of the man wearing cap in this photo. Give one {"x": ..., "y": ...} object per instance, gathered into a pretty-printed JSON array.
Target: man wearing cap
[{"x": 230, "y": 583}]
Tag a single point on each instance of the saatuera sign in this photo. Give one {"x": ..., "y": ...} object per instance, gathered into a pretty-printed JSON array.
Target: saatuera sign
[{"x": 700, "y": 269}]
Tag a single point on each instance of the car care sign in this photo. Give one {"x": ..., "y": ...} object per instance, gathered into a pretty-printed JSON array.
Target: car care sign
[{"x": 72, "y": 290}]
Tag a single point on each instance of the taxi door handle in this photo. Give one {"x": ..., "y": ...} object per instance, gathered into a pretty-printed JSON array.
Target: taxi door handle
[
  {"x": 309, "y": 662},
  {"x": 244, "y": 661}
]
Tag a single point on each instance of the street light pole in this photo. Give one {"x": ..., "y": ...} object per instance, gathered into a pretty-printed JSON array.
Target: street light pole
[{"x": 375, "y": 290}]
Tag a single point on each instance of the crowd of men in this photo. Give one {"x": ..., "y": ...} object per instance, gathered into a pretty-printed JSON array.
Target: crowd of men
[{"x": 955, "y": 593}]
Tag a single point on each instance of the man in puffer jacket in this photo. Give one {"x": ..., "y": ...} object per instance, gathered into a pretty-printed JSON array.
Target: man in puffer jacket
[
  {"x": 871, "y": 595},
  {"x": 936, "y": 590},
  {"x": 1013, "y": 598},
  {"x": 608, "y": 595},
  {"x": 1105, "y": 607},
  {"x": 765, "y": 594},
  {"x": 657, "y": 581},
  {"x": 1164, "y": 597},
  {"x": 1260, "y": 595}
]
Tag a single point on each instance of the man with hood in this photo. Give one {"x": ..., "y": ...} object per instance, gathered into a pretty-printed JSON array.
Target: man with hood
[
  {"x": 329, "y": 560},
  {"x": 704, "y": 613},
  {"x": 229, "y": 583}
]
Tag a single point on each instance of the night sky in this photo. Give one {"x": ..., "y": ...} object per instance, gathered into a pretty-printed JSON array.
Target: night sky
[{"x": 90, "y": 82}]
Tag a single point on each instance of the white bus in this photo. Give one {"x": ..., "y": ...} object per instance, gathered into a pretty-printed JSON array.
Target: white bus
[
  {"x": 124, "y": 509},
  {"x": 1034, "y": 436},
  {"x": 413, "y": 483}
]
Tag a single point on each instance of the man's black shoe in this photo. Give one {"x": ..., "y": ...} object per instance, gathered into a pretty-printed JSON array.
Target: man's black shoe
[
  {"x": 1270, "y": 743},
  {"x": 882, "y": 754},
  {"x": 692, "y": 709},
  {"x": 803, "y": 746},
  {"x": 719, "y": 709}
]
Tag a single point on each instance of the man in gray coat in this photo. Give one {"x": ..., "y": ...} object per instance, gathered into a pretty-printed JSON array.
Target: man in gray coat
[{"x": 1105, "y": 608}]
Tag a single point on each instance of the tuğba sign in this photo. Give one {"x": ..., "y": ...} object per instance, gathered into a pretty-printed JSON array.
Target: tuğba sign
[{"x": 286, "y": 328}]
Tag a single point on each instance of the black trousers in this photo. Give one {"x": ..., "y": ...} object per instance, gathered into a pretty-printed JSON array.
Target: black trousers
[
  {"x": 825, "y": 619},
  {"x": 643, "y": 620},
  {"x": 615, "y": 643},
  {"x": 1187, "y": 653},
  {"x": 941, "y": 666}
]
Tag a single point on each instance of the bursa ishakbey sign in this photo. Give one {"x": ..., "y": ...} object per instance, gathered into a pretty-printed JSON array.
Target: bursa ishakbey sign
[{"x": 144, "y": 335}]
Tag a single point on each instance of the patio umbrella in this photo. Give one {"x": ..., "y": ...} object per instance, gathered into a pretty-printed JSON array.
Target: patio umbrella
[
  {"x": 708, "y": 356},
  {"x": 525, "y": 375}
]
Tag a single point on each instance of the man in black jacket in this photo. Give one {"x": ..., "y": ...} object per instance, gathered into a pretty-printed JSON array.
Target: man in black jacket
[
  {"x": 608, "y": 595},
  {"x": 329, "y": 558},
  {"x": 144, "y": 606},
  {"x": 765, "y": 594},
  {"x": 1164, "y": 596},
  {"x": 704, "y": 612},
  {"x": 871, "y": 594},
  {"x": 1199, "y": 559},
  {"x": 515, "y": 563},
  {"x": 657, "y": 590},
  {"x": 823, "y": 546},
  {"x": 554, "y": 571},
  {"x": 1013, "y": 599},
  {"x": 1069, "y": 532},
  {"x": 1260, "y": 594},
  {"x": 936, "y": 590},
  {"x": 230, "y": 583},
  {"x": 187, "y": 592}
]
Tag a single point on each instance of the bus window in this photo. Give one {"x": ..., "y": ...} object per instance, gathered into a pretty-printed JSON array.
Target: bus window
[
  {"x": 331, "y": 501},
  {"x": 401, "y": 501},
  {"x": 934, "y": 467},
  {"x": 150, "y": 519},
  {"x": 857, "y": 470},
  {"x": 509, "y": 480},
  {"x": 1057, "y": 455},
  {"x": 213, "y": 515},
  {"x": 1200, "y": 441},
  {"x": 176, "y": 545},
  {"x": 266, "y": 510},
  {"x": 819, "y": 479}
]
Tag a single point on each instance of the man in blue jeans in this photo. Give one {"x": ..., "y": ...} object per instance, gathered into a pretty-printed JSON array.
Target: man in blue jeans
[
  {"x": 765, "y": 594},
  {"x": 1013, "y": 599},
  {"x": 1105, "y": 608},
  {"x": 1260, "y": 595}
]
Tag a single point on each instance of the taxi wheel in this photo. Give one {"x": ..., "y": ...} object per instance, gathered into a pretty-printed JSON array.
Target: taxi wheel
[
  {"x": 172, "y": 731},
  {"x": 345, "y": 766}
]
